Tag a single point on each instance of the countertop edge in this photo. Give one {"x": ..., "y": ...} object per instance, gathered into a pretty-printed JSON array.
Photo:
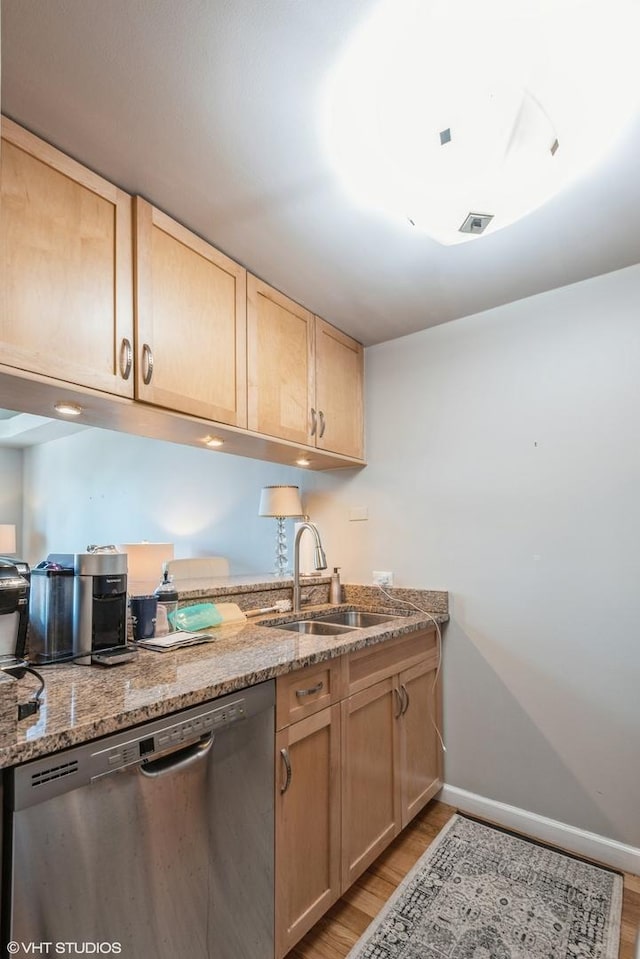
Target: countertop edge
[{"x": 16, "y": 753}]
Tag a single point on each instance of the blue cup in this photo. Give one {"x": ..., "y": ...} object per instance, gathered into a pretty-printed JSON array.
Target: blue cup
[{"x": 143, "y": 611}]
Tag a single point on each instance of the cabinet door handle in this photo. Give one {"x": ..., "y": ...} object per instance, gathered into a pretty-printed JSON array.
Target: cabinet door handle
[
  {"x": 126, "y": 358},
  {"x": 400, "y": 703},
  {"x": 287, "y": 765},
  {"x": 309, "y": 692},
  {"x": 314, "y": 422},
  {"x": 147, "y": 364},
  {"x": 405, "y": 696},
  {"x": 323, "y": 424}
]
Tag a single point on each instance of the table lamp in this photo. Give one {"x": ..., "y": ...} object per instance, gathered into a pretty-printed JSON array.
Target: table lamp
[
  {"x": 280, "y": 502},
  {"x": 7, "y": 539},
  {"x": 144, "y": 565}
]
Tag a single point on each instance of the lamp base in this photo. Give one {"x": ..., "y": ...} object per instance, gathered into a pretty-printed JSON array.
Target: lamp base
[{"x": 282, "y": 559}]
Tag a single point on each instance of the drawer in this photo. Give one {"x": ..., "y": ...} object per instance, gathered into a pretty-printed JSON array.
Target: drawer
[
  {"x": 375, "y": 663},
  {"x": 305, "y": 691}
]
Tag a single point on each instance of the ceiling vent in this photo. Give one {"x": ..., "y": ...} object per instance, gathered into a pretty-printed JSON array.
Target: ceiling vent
[{"x": 476, "y": 223}]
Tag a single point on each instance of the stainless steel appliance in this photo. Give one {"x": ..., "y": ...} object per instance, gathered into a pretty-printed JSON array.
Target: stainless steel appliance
[
  {"x": 159, "y": 839},
  {"x": 14, "y": 609},
  {"x": 100, "y": 609},
  {"x": 99, "y": 613},
  {"x": 51, "y": 613}
]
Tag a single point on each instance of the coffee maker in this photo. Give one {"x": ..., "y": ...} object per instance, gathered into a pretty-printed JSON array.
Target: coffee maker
[
  {"x": 14, "y": 610},
  {"x": 99, "y": 613},
  {"x": 100, "y": 609}
]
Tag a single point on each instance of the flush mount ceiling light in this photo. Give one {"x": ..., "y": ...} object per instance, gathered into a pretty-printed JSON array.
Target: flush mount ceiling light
[{"x": 463, "y": 116}]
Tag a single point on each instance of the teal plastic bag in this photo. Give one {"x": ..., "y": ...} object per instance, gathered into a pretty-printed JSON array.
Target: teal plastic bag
[{"x": 194, "y": 618}]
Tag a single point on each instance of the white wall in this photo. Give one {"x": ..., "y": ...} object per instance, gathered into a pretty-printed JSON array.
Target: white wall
[
  {"x": 504, "y": 464},
  {"x": 11, "y": 491},
  {"x": 104, "y": 487}
]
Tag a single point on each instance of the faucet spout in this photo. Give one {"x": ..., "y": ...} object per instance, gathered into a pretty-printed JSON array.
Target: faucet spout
[{"x": 320, "y": 561}]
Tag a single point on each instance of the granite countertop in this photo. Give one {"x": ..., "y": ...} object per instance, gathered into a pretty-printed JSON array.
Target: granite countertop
[{"x": 81, "y": 703}]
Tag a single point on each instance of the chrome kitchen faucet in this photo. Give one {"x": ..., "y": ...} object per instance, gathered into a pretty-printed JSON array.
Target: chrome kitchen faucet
[{"x": 320, "y": 560}]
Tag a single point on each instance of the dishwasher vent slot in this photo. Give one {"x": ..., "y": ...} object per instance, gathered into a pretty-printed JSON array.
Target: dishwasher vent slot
[{"x": 54, "y": 772}]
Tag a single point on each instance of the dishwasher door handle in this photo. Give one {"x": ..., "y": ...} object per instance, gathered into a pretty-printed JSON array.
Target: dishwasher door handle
[{"x": 178, "y": 760}]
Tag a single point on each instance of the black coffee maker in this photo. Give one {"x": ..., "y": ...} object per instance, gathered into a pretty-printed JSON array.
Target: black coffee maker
[{"x": 14, "y": 610}]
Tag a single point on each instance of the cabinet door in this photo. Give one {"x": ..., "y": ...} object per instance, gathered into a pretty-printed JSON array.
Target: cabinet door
[
  {"x": 420, "y": 751},
  {"x": 280, "y": 364},
  {"x": 307, "y": 824},
  {"x": 66, "y": 307},
  {"x": 370, "y": 783},
  {"x": 190, "y": 321},
  {"x": 339, "y": 391}
]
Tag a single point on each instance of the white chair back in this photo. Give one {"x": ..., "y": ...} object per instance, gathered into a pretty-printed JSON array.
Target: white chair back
[{"x": 204, "y": 567}]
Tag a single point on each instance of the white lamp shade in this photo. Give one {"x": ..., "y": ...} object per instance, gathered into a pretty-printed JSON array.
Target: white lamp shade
[
  {"x": 144, "y": 564},
  {"x": 7, "y": 538},
  {"x": 280, "y": 501}
]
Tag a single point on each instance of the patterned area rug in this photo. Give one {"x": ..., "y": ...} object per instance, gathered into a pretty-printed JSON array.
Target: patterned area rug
[{"x": 480, "y": 893}]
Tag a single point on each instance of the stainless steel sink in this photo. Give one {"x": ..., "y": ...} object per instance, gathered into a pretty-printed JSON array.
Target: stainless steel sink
[
  {"x": 358, "y": 620},
  {"x": 316, "y": 627},
  {"x": 331, "y": 624}
]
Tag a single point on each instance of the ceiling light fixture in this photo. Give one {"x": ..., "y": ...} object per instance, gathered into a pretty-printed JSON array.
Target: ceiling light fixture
[
  {"x": 68, "y": 409},
  {"x": 449, "y": 112}
]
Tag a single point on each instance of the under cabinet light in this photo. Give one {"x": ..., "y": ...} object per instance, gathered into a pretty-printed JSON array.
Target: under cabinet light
[
  {"x": 68, "y": 409},
  {"x": 213, "y": 441},
  {"x": 303, "y": 461}
]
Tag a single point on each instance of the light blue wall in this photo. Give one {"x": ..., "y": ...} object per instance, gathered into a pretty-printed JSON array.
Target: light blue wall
[{"x": 105, "y": 487}]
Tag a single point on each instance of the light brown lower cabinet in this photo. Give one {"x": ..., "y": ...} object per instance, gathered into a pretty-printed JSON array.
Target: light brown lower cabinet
[
  {"x": 307, "y": 824},
  {"x": 356, "y": 771},
  {"x": 370, "y": 777}
]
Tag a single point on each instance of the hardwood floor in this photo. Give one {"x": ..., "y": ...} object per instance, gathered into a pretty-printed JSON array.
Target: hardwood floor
[{"x": 334, "y": 935}]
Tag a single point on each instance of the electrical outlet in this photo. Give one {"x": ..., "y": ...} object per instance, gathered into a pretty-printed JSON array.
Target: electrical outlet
[{"x": 382, "y": 578}]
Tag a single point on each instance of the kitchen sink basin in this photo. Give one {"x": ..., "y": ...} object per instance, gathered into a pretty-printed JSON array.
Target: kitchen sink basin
[
  {"x": 358, "y": 620},
  {"x": 316, "y": 627},
  {"x": 331, "y": 624}
]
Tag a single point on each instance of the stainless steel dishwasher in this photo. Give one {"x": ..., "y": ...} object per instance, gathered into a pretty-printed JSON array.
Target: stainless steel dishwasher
[{"x": 158, "y": 839}]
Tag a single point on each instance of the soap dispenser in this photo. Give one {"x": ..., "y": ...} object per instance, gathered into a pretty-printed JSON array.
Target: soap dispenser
[{"x": 335, "y": 589}]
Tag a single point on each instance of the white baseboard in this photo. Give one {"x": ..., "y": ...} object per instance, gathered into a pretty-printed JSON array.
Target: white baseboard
[{"x": 583, "y": 843}]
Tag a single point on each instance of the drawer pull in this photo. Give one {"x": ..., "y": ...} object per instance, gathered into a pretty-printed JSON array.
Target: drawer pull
[
  {"x": 287, "y": 765},
  {"x": 323, "y": 424},
  {"x": 300, "y": 693},
  {"x": 400, "y": 703},
  {"x": 405, "y": 696}
]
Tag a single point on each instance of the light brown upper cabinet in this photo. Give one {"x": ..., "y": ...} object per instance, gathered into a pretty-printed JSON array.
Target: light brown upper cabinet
[
  {"x": 190, "y": 321},
  {"x": 305, "y": 377},
  {"x": 339, "y": 391},
  {"x": 66, "y": 305}
]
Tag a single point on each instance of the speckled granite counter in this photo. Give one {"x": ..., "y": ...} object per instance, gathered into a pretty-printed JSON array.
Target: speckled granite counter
[{"x": 82, "y": 703}]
